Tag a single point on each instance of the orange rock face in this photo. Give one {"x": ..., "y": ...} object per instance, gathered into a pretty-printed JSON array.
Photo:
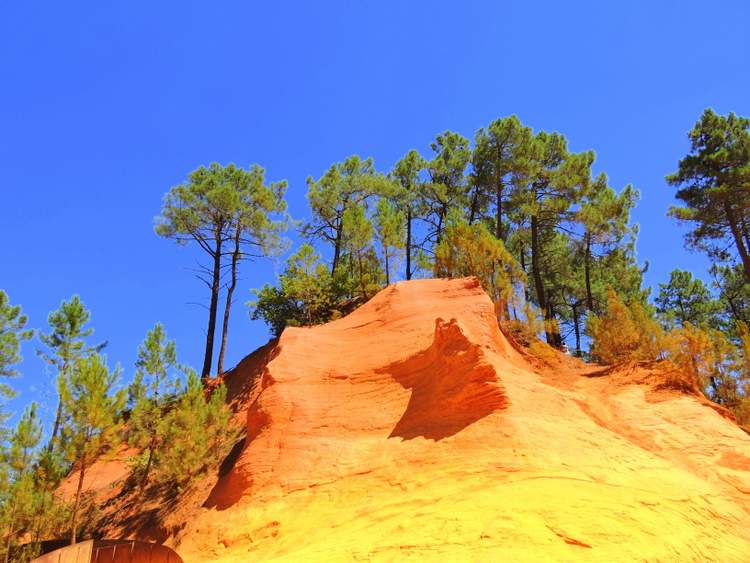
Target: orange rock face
[{"x": 413, "y": 430}]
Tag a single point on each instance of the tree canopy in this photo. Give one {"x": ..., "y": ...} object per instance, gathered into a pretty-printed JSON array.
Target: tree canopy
[
  {"x": 228, "y": 212},
  {"x": 713, "y": 182}
]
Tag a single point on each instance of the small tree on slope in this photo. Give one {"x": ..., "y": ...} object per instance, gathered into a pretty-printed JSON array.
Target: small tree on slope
[
  {"x": 12, "y": 333},
  {"x": 471, "y": 250},
  {"x": 307, "y": 294},
  {"x": 624, "y": 333},
  {"x": 19, "y": 501},
  {"x": 196, "y": 431},
  {"x": 92, "y": 410},
  {"x": 149, "y": 394},
  {"x": 66, "y": 343}
]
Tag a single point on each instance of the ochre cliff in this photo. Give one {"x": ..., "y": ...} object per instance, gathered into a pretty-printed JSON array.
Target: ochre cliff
[{"x": 413, "y": 430}]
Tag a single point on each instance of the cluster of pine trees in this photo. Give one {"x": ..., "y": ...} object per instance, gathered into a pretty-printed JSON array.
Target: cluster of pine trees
[
  {"x": 547, "y": 238},
  {"x": 178, "y": 428},
  {"x": 701, "y": 329},
  {"x": 515, "y": 207},
  {"x": 232, "y": 215}
]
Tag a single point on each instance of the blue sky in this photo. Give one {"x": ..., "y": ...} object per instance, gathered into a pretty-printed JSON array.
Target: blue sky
[{"x": 105, "y": 106}]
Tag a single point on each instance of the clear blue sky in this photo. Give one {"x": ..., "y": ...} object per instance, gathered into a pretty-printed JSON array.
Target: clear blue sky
[{"x": 104, "y": 106}]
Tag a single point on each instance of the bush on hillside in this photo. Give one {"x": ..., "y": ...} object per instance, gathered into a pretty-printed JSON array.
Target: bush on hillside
[
  {"x": 197, "y": 434},
  {"x": 471, "y": 250},
  {"x": 624, "y": 333},
  {"x": 307, "y": 294}
]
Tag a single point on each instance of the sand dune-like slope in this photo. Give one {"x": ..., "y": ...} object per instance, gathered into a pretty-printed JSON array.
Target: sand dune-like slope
[{"x": 412, "y": 430}]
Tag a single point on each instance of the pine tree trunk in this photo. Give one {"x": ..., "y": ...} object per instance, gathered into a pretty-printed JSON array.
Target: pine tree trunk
[
  {"x": 58, "y": 415},
  {"x": 77, "y": 503},
  {"x": 733, "y": 308},
  {"x": 144, "y": 479},
  {"x": 439, "y": 227},
  {"x": 38, "y": 521},
  {"x": 553, "y": 326},
  {"x": 506, "y": 311},
  {"x": 11, "y": 531},
  {"x": 12, "y": 524},
  {"x": 228, "y": 304},
  {"x": 499, "y": 212},
  {"x": 353, "y": 275},
  {"x": 538, "y": 283},
  {"x": 208, "y": 357},
  {"x": 715, "y": 386},
  {"x": 473, "y": 207},
  {"x": 362, "y": 287},
  {"x": 745, "y": 226},
  {"x": 577, "y": 328},
  {"x": 741, "y": 248},
  {"x": 587, "y": 270},
  {"x": 337, "y": 249},
  {"x": 387, "y": 271},
  {"x": 523, "y": 267},
  {"x": 408, "y": 243},
  {"x": 56, "y": 427},
  {"x": 746, "y": 233}
]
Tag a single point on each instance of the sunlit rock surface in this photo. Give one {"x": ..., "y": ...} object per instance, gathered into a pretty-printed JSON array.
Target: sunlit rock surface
[{"x": 413, "y": 430}]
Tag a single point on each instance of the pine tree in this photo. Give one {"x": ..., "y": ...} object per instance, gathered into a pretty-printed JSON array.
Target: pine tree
[
  {"x": 18, "y": 507},
  {"x": 92, "y": 409},
  {"x": 695, "y": 352},
  {"x": 51, "y": 514},
  {"x": 742, "y": 409},
  {"x": 307, "y": 294},
  {"x": 12, "y": 333},
  {"x": 66, "y": 342},
  {"x": 685, "y": 299},
  {"x": 448, "y": 185},
  {"x": 259, "y": 220},
  {"x": 224, "y": 210},
  {"x": 406, "y": 197},
  {"x": 604, "y": 216},
  {"x": 713, "y": 182},
  {"x": 149, "y": 393},
  {"x": 734, "y": 295},
  {"x": 364, "y": 277},
  {"x": 716, "y": 364},
  {"x": 344, "y": 185},
  {"x": 498, "y": 160},
  {"x": 390, "y": 224},
  {"x": 552, "y": 182},
  {"x": 561, "y": 265},
  {"x": 625, "y": 333},
  {"x": 203, "y": 210},
  {"x": 471, "y": 250},
  {"x": 618, "y": 269},
  {"x": 196, "y": 432}
]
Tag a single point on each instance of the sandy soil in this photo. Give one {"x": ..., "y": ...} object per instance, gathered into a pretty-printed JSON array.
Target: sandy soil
[{"x": 413, "y": 430}]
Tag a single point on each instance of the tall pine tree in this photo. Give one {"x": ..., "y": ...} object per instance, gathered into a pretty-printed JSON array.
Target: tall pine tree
[
  {"x": 66, "y": 343},
  {"x": 407, "y": 196},
  {"x": 713, "y": 183}
]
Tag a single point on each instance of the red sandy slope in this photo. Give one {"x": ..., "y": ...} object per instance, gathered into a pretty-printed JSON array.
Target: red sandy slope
[{"x": 412, "y": 429}]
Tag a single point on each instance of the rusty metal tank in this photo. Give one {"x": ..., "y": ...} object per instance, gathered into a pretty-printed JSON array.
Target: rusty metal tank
[{"x": 111, "y": 551}]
